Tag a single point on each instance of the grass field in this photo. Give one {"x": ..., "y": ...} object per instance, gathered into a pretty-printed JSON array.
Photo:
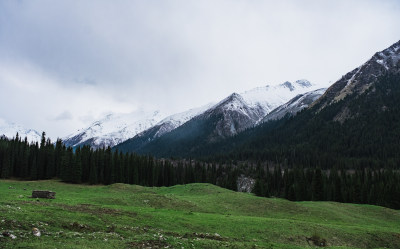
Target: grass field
[{"x": 184, "y": 216}]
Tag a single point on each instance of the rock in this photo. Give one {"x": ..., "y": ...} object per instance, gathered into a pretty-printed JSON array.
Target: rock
[
  {"x": 8, "y": 234},
  {"x": 245, "y": 184},
  {"x": 36, "y": 232},
  {"x": 43, "y": 194}
]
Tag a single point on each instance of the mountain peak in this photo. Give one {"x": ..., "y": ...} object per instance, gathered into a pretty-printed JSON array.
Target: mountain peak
[
  {"x": 235, "y": 96},
  {"x": 288, "y": 85},
  {"x": 10, "y": 130},
  {"x": 389, "y": 57},
  {"x": 303, "y": 83}
]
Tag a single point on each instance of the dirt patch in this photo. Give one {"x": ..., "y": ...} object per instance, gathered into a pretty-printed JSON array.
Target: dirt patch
[
  {"x": 12, "y": 224},
  {"x": 317, "y": 241},
  {"x": 78, "y": 227},
  {"x": 156, "y": 244}
]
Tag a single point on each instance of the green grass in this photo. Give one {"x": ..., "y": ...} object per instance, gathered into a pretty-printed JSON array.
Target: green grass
[{"x": 184, "y": 216}]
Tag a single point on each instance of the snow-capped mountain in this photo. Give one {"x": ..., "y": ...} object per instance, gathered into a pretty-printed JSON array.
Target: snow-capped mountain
[
  {"x": 355, "y": 123},
  {"x": 363, "y": 77},
  {"x": 294, "y": 105},
  {"x": 113, "y": 129},
  {"x": 242, "y": 111},
  {"x": 230, "y": 116},
  {"x": 164, "y": 126},
  {"x": 10, "y": 130}
]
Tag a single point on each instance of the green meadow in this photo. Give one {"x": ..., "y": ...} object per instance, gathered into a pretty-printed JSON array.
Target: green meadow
[{"x": 184, "y": 216}]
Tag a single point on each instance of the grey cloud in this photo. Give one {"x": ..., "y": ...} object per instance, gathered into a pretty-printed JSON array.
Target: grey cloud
[
  {"x": 177, "y": 54},
  {"x": 66, "y": 115}
]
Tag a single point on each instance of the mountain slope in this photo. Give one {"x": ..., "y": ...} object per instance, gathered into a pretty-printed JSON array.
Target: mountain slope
[
  {"x": 113, "y": 129},
  {"x": 359, "y": 130},
  {"x": 363, "y": 77},
  {"x": 164, "y": 126},
  {"x": 294, "y": 105},
  {"x": 10, "y": 130},
  {"x": 230, "y": 116}
]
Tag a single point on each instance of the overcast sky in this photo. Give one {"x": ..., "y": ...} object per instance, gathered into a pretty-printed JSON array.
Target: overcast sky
[{"x": 64, "y": 64}]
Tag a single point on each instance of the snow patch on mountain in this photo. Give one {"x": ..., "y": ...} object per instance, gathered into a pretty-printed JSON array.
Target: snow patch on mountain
[
  {"x": 294, "y": 105},
  {"x": 267, "y": 98},
  {"x": 10, "y": 130}
]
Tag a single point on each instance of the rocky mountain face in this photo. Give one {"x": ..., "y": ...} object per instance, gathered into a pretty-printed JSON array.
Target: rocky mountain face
[
  {"x": 10, "y": 130},
  {"x": 363, "y": 77},
  {"x": 294, "y": 105},
  {"x": 232, "y": 115},
  {"x": 238, "y": 112}
]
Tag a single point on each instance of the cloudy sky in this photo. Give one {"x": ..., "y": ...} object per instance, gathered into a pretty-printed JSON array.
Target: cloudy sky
[{"x": 64, "y": 64}]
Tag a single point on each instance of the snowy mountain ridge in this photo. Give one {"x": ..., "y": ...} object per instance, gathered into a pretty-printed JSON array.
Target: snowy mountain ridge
[
  {"x": 113, "y": 129},
  {"x": 233, "y": 114},
  {"x": 10, "y": 130},
  {"x": 174, "y": 121},
  {"x": 293, "y": 106},
  {"x": 253, "y": 104},
  {"x": 269, "y": 97}
]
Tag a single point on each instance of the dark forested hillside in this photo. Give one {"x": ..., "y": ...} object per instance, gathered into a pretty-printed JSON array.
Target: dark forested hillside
[
  {"x": 362, "y": 130},
  {"x": 359, "y": 131},
  {"x": 188, "y": 138}
]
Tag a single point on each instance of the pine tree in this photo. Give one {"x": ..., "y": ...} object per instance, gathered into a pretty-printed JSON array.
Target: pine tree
[{"x": 317, "y": 186}]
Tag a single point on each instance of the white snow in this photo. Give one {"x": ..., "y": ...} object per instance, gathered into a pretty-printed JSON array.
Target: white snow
[
  {"x": 388, "y": 56},
  {"x": 10, "y": 130},
  {"x": 116, "y": 128},
  {"x": 383, "y": 63},
  {"x": 294, "y": 105},
  {"x": 270, "y": 97},
  {"x": 353, "y": 76},
  {"x": 174, "y": 121}
]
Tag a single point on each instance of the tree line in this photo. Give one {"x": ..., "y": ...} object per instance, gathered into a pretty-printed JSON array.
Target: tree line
[
  {"x": 364, "y": 186},
  {"x": 45, "y": 160}
]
